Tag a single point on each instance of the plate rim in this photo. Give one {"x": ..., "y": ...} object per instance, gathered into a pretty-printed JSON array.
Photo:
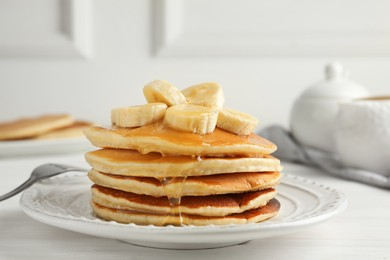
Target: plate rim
[
  {"x": 35, "y": 142},
  {"x": 332, "y": 210},
  {"x": 45, "y": 146}
]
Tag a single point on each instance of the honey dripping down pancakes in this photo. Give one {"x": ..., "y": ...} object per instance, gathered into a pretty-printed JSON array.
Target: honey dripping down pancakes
[{"x": 182, "y": 159}]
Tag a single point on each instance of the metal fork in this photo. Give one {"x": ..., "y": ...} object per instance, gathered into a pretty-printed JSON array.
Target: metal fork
[{"x": 41, "y": 172}]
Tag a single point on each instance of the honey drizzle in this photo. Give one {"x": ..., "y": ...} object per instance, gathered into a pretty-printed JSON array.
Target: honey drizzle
[
  {"x": 174, "y": 196},
  {"x": 217, "y": 138}
]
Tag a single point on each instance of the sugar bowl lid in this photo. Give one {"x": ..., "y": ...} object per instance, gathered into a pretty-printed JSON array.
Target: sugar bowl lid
[{"x": 335, "y": 85}]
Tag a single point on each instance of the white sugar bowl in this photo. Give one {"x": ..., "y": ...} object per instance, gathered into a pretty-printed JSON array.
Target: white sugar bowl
[
  {"x": 314, "y": 112},
  {"x": 363, "y": 134}
]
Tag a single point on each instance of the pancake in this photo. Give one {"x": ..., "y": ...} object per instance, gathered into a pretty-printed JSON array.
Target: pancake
[
  {"x": 154, "y": 174},
  {"x": 71, "y": 131},
  {"x": 158, "y": 138},
  {"x": 190, "y": 186},
  {"x": 30, "y": 127},
  {"x": 131, "y": 163},
  {"x": 147, "y": 218},
  {"x": 213, "y": 205}
]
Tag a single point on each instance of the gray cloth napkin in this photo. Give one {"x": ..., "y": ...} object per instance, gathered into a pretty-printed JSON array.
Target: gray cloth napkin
[{"x": 290, "y": 150}]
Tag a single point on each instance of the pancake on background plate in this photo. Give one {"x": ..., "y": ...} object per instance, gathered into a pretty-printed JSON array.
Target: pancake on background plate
[
  {"x": 31, "y": 127},
  {"x": 71, "y": 131},
  {"x": 43, "y": 127}
]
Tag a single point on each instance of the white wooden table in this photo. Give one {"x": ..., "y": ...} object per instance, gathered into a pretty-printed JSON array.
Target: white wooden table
[{"x": 362, "y": 231}]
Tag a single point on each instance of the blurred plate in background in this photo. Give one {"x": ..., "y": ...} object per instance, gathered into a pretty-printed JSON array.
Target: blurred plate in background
[{"x": 41, "y": 147}]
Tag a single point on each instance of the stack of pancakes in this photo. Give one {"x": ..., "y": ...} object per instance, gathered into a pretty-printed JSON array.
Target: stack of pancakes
[
  {"x": 156, "y": 175},
  {"x": 160, "y": 188}
]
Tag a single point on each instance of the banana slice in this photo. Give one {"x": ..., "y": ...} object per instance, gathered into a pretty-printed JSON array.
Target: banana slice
[
  {"x": 191, "y": 118},
  {"x": 138, "y": 115},
  {"x": 163, "y": 91},
  {"x": 209, "y": 94},
  {"x": 236, "y": 122}
]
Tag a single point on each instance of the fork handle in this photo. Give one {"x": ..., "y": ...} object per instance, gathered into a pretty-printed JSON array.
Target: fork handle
[{"x": 30, "y": 181}]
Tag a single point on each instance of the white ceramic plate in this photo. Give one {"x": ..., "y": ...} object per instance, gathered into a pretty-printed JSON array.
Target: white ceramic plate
[
  {"x": 63, "y": 201},
  {"x": 33, "y": 147}
]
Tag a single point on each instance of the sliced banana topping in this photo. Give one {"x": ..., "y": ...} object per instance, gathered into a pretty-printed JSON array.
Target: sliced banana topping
[
  {"x": 209, "y": 94},
  {"x": 236, "y": 122},
  {"x": 163, "y": 91},
  {"x": 191, "y": 118},
  {"x": 196, "y": 109},
  {"x": 138, "y": 115}
]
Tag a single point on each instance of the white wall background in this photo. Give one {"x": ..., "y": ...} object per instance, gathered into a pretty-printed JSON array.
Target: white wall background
[{"x": 86, "y": 56}]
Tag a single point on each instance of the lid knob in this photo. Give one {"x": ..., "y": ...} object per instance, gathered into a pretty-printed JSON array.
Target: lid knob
[{"x": 334, "y": 71}]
